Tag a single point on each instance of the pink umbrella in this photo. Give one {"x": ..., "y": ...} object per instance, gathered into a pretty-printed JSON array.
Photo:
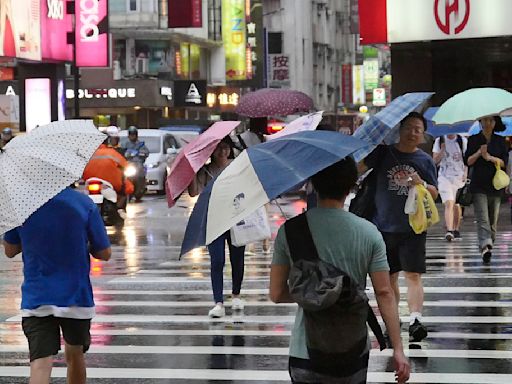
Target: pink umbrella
[
  {"x": 271, "y": 102},
  {"x": 192, "y": 157}
]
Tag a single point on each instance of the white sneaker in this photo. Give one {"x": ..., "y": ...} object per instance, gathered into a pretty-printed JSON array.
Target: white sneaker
[
  {"x": 218, "y": 311},
  {"x": 237, "y": 304}
]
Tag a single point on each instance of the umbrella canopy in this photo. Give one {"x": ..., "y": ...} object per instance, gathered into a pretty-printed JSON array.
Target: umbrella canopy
[
  {"x": 437, "y": 130},
  {"x": 192, "y": 157},
  {"x": 473, "y": 104},
  {"x": 37, "y": 166},
  {"x": 383, "y": 126},
  {"x": 303, "y": 123},
  {"x": 271, "y": 102},
  {"x": 260, "y": 174}
]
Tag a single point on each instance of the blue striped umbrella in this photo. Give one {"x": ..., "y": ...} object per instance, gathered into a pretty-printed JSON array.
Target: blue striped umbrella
[
  {"x": 260, "y": 174},
  {"x": 383, "y": 126}
]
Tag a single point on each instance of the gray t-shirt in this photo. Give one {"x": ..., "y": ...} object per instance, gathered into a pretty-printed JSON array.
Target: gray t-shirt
[{"x": 343, "y": 239}]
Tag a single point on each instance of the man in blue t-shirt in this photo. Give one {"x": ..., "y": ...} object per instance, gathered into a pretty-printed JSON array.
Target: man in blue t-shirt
[
  {"x": 56, "y": 242},
  {"x": 399, "y": 167}
]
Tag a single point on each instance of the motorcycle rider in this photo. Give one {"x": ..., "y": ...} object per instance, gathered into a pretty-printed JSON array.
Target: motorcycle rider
[
  {"x": 107, "y": 164},
  {"x": 6, "y": 136},
  {"x": 114, "y": 139},
  {"x": 136, "y": 152}
]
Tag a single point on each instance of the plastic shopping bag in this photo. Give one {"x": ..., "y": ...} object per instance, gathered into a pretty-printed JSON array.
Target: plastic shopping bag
[
  {"x": 253, "y": 228},
  {"x": 410, "y": 203},
  {"x": 426, "y": 212},
  {"x": 500, "y": 179}
]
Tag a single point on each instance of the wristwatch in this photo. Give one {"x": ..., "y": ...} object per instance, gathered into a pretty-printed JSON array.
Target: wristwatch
[{"x": 425, "y": 184}]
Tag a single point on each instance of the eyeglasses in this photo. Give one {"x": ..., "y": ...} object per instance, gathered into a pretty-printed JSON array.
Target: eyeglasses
[{"x": 414, "y": 129}]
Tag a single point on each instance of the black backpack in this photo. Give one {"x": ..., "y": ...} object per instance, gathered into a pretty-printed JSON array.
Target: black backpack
[
  {"x": 459, "y": 142},
  {"x": 336, "y": 308},
  {"x": 363, "y": 203}
]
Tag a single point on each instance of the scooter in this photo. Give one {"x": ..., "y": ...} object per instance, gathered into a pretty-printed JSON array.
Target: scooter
[
  {"x": 103, "y": 194},
  {"x": 136, "y": 172}
]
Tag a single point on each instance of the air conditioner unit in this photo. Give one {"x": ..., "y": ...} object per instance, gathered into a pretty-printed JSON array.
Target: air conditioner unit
[{"x": 141, "y": 65}]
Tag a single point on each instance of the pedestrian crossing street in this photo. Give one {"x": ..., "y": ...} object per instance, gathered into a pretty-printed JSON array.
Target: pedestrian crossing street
[{"x": 152, "y": 324}]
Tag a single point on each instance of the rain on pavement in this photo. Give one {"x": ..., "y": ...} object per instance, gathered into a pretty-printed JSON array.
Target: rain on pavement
[{"x": 152, "y": 325}]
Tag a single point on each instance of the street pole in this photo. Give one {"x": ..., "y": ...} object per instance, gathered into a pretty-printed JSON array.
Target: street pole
[{"x": 70, "y": 8}]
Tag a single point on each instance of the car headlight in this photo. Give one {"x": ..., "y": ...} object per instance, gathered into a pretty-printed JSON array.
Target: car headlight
[
  {"x": 130, "y": 171},
  {"x": 153, "y": 165}
]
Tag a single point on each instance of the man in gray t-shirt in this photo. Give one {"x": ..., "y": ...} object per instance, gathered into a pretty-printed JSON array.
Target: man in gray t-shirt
[{"x": 350, "y": 243}]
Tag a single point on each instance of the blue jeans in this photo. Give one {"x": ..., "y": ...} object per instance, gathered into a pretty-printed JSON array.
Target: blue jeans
[
  {"x": 487, "y": 210},
  {"x": 217, "y": 251}
]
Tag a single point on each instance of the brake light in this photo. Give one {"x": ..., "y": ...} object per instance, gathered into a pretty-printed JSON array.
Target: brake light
[{"x": 94, "y": 189}]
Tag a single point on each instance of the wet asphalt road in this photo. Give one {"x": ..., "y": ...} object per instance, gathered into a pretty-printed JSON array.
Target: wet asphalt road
[{"x": 152, "y": 324}]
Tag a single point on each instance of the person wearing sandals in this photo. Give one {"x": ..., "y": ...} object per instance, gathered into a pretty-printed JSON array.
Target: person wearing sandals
[
  {"x": 220, "y": 159},
  {"x": 485, "y": 150}
]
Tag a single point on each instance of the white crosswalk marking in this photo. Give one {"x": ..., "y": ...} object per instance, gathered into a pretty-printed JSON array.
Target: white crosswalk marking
[{"x": 152, "y": 323}]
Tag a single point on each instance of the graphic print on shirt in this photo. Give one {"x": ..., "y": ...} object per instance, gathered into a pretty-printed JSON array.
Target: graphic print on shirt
[{"x": 398, "y": 176}]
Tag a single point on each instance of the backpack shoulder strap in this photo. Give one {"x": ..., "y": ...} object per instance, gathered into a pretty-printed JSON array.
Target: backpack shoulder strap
[
  {"x": 241, "y": 141},
  {"x": 300, "y": 241}
]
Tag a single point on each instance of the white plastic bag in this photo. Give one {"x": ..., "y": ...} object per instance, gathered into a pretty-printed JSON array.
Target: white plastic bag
[
  {"x": 410, "y": 203},
  {"x": 253, "y": 228}
]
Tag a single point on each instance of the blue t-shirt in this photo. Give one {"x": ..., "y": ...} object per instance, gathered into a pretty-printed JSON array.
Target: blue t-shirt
[
  {"x": 55, "y": 242},
  {"x": 393, "y": 168}
]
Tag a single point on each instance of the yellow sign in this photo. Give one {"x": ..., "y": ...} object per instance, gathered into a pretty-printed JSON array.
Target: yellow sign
[
  {"x": 185, "y": 60},
  {"x": 233, "y": 35}
]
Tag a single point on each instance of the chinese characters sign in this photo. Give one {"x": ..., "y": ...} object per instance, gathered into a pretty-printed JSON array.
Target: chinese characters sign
[{"x": 279, "y": 71}]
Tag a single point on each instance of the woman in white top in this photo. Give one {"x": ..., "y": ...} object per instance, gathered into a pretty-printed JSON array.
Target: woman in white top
[{"x": 220, "y": 159}]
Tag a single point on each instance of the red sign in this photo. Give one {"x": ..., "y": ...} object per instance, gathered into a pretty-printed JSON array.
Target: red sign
[
  {"x": 185, "y": 13},
  {"x": 373, "y": 21},
  {"x": 6, "y": 73},
  {"x": 91, "y": 35},
  {"x": 443, "y": 20},
  {"x": 346, "y": 83}
]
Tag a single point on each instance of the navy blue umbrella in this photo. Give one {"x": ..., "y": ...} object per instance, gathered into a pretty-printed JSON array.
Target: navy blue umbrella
[
  {"x": 260, "y": 174},
  {"x": 444, "y": 129}
]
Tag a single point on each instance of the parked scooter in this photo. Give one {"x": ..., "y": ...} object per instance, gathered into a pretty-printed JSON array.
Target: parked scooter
[
  {"x": 103, "y": 194},
  {"x": 136, "y": 172}
]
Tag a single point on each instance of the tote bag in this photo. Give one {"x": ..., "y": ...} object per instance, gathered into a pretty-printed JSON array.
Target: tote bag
[{"x": 253, "y": 228}]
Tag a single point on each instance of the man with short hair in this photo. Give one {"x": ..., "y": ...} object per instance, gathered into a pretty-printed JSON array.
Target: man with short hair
[
  {"x": 449, "y": 155},
  {"x": 6, "y": 136},
  {"x": 354, "y": 246},
  {"x": 399, "y": 167},
  {"x": 56, "y": 293}
]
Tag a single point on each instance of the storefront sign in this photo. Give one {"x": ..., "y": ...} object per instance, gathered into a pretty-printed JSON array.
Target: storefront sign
[
  {"x": 91, "y": 33},
  {"x": 37, "y": 102},
  {"x": 55, "y": 24},
  {"x": 185, "y": 13},
  {"x": 167, "y": 92},
  {"x": 397, "y": 21},
  {"x": 6, "y": 73},
  {"x": 359, "y": 96},
  {"x": 234, "y": 38},
  {"x": 279, "y": 71},
  {"x": 190, "y": 93},
  {"x": 371, "y": 74},
  {"x": 224, "y": 98},
  {"x": 102, "y": 93},
  {"x": 346, "y": 83},
  {"x": 379, "y": 97},
  {"x": 20, "y": 29}
]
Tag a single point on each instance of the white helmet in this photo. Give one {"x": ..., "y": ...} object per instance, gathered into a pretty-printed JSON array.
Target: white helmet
[{"x": 112, "y": 131}]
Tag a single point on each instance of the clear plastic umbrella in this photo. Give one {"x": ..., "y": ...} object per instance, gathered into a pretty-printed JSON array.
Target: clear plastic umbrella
[{"x": 37, "y": 166}]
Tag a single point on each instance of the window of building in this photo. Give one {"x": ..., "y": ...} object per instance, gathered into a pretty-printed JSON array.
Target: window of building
[
  {"x": 133, "y": 5},
  {"x": 275, "y": 42}
]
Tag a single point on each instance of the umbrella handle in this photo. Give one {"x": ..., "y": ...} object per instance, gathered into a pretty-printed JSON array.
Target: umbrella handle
[{"x": 281, "y": 209}]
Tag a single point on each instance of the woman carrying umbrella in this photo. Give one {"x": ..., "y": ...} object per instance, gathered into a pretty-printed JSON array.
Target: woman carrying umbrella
[
  {"x": 485, "y": 151},
  {"x": 219, "y": 161}
]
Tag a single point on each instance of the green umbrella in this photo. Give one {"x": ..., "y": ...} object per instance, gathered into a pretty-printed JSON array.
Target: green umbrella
[{"x": 474, "y": 104}]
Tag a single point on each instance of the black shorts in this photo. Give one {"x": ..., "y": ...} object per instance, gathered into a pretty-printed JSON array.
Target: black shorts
[
  {"x": 43, "y": 334},
  {"x": 406, "y": 251}
]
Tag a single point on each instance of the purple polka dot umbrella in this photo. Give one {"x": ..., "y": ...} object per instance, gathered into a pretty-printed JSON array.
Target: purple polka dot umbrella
[{"x": 273, "y": 102}]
